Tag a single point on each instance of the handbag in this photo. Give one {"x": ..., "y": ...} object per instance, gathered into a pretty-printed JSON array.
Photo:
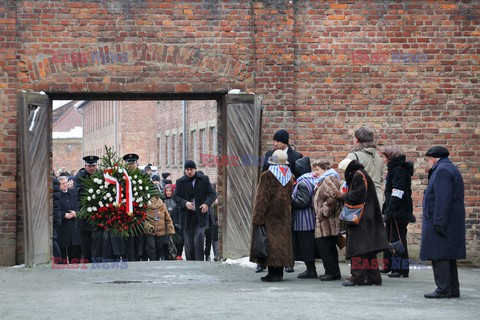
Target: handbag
[
  {"x": 352, "y": 214},
  {"x": 172, "y": 249},
  {"x": 260, "y": 243},
  {"x": 341, "y": 241},
  {"x": 396, "y": 248}
]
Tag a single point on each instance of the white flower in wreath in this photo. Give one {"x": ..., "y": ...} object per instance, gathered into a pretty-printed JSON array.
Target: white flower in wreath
[
  {"x": 148, "y": 196},
  {"x": 110, "y": 199},
  {"x": 140, "y": 205},
  {"x": 100, "y": 204},
  {"x": 109, "y": 195},
  {"x": 101, "y": 187},
  {"x": 146, "y": 188},
  {"x": 89, "y": 209},
  {"x": 89, "y": 198},
  {"x": 106, "y": 184},
  {"x": 149, "y": 202},
  {"x": 140, "y": 181},
  {"x": 98, "y": 191},
  {"x": 135, "y": 194},
  {"x": 141, "y": 188},
  {"x": 104, "y": 197},
  {"x": 90, "y": 190},
  {"x": 120, "y": 170},
  {"x": 94, "y": 208},
  {"x": 135, "y": 177},
  {"x": 94, "y": 197},
  {"x": 134, "y": 182},
  {"x": 134, "y": 188}
]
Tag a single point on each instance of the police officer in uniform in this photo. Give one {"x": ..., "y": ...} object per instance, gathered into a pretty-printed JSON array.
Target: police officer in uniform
[
  {"x": 134, "y": 245},
  {"x": 84, "y": 226}
]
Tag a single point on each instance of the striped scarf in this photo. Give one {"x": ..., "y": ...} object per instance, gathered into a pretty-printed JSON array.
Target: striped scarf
[{"x": 282, "y": 176}]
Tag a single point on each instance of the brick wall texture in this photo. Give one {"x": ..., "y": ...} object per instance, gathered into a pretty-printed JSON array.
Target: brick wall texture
[{"x": 324, "y": 68}]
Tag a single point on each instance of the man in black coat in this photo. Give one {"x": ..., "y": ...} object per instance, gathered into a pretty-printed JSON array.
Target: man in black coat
[
  {"x": 68, "y": 233},
  {"x": 194, "y": 195},
  {"x": 83, "y": 225},
  {"x": 281, "y": 142},
  {"x": 443, "y": 223}
]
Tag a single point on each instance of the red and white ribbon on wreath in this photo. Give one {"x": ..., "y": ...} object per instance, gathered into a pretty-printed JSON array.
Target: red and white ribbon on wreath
[
  {"x": 111, "y": 180},
  {"x": 128, "y": 193}
]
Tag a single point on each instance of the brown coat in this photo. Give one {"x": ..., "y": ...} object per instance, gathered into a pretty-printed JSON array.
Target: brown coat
[
  {"x": 164, "y": 225},
  {"x": 272, "y": 207},
  {"x": 327, "y": 208}
]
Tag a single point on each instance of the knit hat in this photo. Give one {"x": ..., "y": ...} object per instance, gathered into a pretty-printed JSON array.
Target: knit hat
[
  {"x": 281, "y": 136},
  {"x": 155, "y": 177},
  {"x": 165, "y": 175},
  {"x": 344, "y": 164},
  {"x": 437, "y": 152},
  {"x": 190, "y": 164}
]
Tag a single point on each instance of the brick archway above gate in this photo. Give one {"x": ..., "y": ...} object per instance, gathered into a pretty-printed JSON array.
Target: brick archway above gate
[{"x": 130, "y": 67}]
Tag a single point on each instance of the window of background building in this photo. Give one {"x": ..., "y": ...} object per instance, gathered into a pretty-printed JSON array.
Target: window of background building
[
  {"x": 203, "y": 144},
  {"x": 174, "y": 150},
  {"x": 180, "y": 149},
  {"x": 214, "y": 141},
  {"x": 159, "y": 148},
  {"x": 169, "y": 150},
  {"x": 194, "y": 145}
]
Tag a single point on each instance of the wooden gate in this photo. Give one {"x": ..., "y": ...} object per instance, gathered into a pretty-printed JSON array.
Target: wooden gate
[
  {"x": 34, "y": 175},
  {"x": 242, "y": 145}
]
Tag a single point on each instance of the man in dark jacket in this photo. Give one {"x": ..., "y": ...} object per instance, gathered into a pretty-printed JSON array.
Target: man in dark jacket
[
  {"x": 281, "y": 142},
  {"x": 57, "y": 219},
  {"x": 82, "y": 224},
  {"x": 194, "y": 196},
  {"x": 68, "y": 233},
  {"x": 443, "y": 223}
]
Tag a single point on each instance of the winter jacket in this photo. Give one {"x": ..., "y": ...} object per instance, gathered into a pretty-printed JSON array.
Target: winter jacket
[
  {"x": 366, "y": 154},
  {"x": 303, "y": 213},
  {"x": 158, "y": 223},
  {"x": 67, "y": 233},
  {"x": 327, "y": 208},
  {"x": 57, "y": 218},
  {"x": 272, "y": 207},
  {"x": 369, "y": 235},
  {"x": 444, "y": 206},
  {"x": 398, "y": 191}
]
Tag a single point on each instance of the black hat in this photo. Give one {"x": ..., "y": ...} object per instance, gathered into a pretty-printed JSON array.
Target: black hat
[
  {"x": 130, "y": 157},
  {"x": 437, "y": 152},
  {"x": 190, "y": 164},
  {"x": 155, "y": 177},
  {"x": 148, "y": 167},
  {"x": 90, "y": 159},
  {"x": 281, "y": 136},
  {"x": 165, "y": 175}
]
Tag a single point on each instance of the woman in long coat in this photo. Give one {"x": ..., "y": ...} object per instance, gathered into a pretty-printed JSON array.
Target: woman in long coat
[
  {"x": 397, "y": 208},
  {"x": 272, "y": 208},
  {"x": 367, "y": 238}
]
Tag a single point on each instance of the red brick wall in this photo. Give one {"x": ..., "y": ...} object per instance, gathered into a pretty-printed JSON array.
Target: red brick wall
[
  {"x": 299, "y": 54},
  {"x": 67, "y": 153}
]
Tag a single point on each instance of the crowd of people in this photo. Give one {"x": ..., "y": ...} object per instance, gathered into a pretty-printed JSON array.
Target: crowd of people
[
  {"x": 299, "y": 203},
  {"x": 182, "y": 216}
]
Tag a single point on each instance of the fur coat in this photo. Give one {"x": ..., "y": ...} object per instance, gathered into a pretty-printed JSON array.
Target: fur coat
[
  {"x": 272, "y": 207},
  {"x": 158, "y": 222},
  {"x": 327, "y": 208}
]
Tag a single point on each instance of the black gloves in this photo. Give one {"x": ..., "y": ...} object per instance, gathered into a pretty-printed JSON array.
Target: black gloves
[{"x": 441, "y": 230}]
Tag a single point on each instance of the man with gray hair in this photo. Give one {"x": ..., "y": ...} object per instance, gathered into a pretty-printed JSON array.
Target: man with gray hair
[{"x": 364, "y": 151}]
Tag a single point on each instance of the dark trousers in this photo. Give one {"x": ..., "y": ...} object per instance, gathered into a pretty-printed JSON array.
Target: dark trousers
[
  {"x": 155, "y": 248},
  {"x": 70, "y": 254},
  {"x": 364, "y": 268},
  {"x": 208, "y": 241},
  {"x": 86, "y": 244},
  {"x": 275, "y": 271},
  {"x": 55, "y": 247},
  {"x": 403, "y": 266},
  {"x": 327, "y": 247},
  {"x": 445, "y": 273},
  {"x": 193, "y": 239},
  {"x": 134, "y": 250}
]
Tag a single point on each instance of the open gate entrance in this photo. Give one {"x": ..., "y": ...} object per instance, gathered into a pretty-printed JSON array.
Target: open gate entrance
[{"x": 241, "y": 121}]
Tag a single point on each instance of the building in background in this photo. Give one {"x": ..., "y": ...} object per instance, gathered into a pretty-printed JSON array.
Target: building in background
[{"x": 67, "y": 137}]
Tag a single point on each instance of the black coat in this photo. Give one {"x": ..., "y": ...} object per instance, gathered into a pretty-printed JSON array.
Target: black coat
[
  {"x": 82, "y": 224},
  {"x": 369, "y": 235},
  {"x": 67, "y": 233},
  {"x": 443, "y": 205},
  {"x": 202, "y": 193},
  {"x": 57, "y": 218},
  {"x": 399, "y": 180},
  {"x": 293, "y": 156}
]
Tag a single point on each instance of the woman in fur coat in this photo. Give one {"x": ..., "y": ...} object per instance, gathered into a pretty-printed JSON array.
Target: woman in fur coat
[
  {"x": 157, "y": 227},
  {"x": 272, "y": 208},
  {"x": 327, "y": 225}
]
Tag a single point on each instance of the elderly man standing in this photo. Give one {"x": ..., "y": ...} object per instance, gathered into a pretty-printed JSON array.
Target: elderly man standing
[
  {"x": 365, "y": 152},
  {"x": 194, "y": 195},
  {"x": 443, "y": 223}
]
